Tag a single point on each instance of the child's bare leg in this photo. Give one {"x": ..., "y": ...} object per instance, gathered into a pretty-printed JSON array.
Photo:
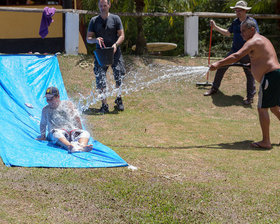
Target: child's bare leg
[
  {"x": 65, "y": 143},
  {"x": 84, "y": 144}
]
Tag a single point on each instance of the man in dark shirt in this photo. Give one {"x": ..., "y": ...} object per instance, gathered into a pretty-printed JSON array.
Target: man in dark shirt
[
  {"x": 106, "y": 29},
  {"x": 240, "y": 9}
]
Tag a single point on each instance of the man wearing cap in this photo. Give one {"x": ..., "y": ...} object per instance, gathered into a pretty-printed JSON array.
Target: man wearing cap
[
  {"x": 106, "y": 30},
  {"x": 240, "y": 9},
  {"x": 63, "y": 123}
]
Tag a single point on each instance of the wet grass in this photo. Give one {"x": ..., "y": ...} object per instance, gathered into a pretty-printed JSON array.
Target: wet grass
[{"x": 192, "y": 153}]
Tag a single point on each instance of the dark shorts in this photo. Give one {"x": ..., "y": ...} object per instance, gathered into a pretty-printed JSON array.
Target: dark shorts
[
  {"x": 269, "y": 93},
  {"x": 118, "y": 71}
]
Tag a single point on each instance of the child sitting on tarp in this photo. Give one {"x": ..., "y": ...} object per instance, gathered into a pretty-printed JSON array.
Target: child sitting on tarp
[{"x": 64, "y": 123}]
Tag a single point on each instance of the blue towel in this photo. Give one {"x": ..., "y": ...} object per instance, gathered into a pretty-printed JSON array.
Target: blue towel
[
  {"x": 46, "y": 21},
  {"x": 23, "y": 82}
]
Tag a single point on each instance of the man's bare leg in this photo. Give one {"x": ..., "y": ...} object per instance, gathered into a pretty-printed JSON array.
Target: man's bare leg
[
  {"x": 264, "y": 123},
  {"x": 276, "y": 111}
]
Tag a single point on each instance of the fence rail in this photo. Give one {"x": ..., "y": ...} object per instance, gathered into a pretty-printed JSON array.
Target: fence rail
[{"x": 145, "y": 14}]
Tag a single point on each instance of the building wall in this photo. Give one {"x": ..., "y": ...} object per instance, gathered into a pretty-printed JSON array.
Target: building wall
[
  {"x": 21, "y": 25},
  {"x": 19, "y": 32}
]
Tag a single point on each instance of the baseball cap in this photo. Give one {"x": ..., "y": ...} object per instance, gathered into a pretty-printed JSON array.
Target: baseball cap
[{"x": 51, "y": 92}]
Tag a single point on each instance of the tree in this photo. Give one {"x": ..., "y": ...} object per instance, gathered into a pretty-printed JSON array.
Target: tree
[
  {"x": 140, "y": 30},
  {"x": 141, "y": 47}
]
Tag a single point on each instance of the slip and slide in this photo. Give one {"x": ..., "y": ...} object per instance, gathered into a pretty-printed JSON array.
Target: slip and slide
[{"x": 23, "y": 82}]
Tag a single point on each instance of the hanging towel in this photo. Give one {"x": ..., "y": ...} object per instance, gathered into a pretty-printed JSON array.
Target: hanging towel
[{"x": 48, "y": 13}]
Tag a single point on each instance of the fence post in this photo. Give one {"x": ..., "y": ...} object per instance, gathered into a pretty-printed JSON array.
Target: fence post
[
  {"x": 71, "y": 33},
  {"x": 191, "y": 35}
]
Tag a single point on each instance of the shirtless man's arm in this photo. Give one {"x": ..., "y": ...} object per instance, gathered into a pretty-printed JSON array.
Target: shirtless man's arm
[
  {"x": 262, "y": 54},
  {"x": 247, "y": 47}
]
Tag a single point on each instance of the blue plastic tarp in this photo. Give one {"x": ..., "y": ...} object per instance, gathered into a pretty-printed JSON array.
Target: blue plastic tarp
[{"x": 23, "y": 82}]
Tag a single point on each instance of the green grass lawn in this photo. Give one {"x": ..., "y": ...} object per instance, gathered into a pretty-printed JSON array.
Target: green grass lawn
[{"x": 192, "y": 152}]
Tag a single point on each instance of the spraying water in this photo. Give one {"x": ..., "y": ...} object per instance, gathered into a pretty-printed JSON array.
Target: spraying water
[{"x": 137, "y": 79}]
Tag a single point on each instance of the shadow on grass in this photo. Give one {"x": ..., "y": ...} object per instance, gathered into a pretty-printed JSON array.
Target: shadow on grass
[
  {"x": 95, "y": 111},
  {"x": 243, "y": 145},
  {"x": 221, "y": 100}
]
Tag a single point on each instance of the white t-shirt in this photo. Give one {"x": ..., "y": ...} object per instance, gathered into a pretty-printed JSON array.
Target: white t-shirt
[{"x": 62, "y": 117}]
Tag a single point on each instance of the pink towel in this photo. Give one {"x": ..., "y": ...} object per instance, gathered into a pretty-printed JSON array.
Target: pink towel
[{"x": 46, "y": 21}]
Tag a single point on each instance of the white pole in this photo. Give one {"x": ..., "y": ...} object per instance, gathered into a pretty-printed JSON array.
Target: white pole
[
  {"x": 191, "y": 35},
  {"x": 71, "y": 33}
]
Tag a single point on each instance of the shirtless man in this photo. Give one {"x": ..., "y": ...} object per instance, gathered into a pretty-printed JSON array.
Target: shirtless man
[
  {"x": 265, "y": 69},
  {"x": 63, "y": 123}
]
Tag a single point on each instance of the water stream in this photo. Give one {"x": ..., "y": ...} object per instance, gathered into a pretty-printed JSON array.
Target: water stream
[{"x": 137, "y": 79}]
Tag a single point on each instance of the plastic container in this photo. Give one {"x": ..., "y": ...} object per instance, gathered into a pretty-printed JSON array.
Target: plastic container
[{"x": 104, "y": 56}]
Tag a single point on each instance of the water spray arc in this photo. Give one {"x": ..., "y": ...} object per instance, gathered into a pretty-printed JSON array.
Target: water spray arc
[
  {"x": 138, "y": 78},
  {"x": 207, "y": 83}
]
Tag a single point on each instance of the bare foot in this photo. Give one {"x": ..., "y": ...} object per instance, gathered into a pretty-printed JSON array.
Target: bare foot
[
  {"x": 75, "y": 147},
  {"x": 261, "y": 145},
  {"x": 70, "y": 148},
  {"x": 87, "y": 148}
]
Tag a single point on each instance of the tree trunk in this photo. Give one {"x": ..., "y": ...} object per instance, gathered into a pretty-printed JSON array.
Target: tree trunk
[
  {"x": 141, "y": 47},
  {"x": 278, "y": 11}
]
